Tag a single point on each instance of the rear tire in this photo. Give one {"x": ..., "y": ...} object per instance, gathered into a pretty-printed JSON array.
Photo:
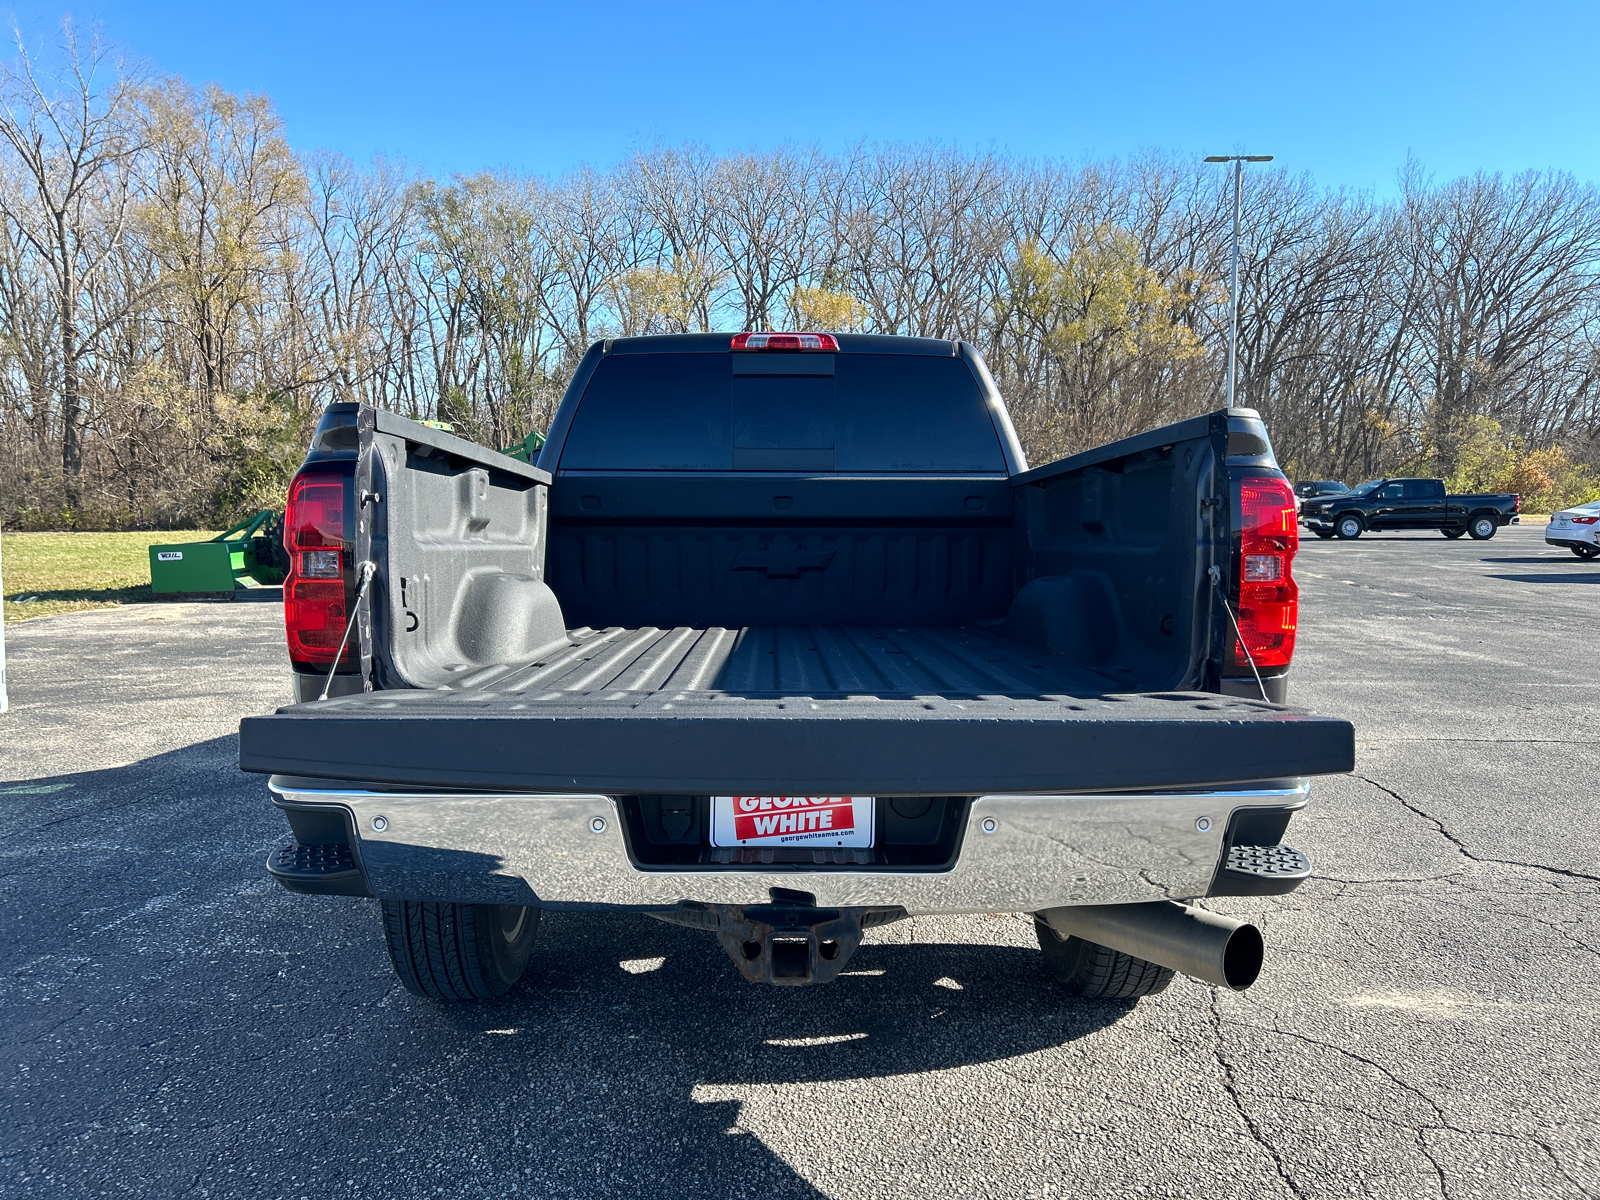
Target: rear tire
[
  {"x": 1452, "y": 534},
  {"x": 1481, "y": 528},
  {"x": 1349, "y": 528},
  {"x": 458, "y": 951},
  {"x": 1091, "y": 971},
  {"x": 1586, "y": 552}
]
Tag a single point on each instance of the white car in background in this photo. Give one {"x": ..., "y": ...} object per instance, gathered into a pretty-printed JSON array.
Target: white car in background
[{"x": 1578, "y": 529}]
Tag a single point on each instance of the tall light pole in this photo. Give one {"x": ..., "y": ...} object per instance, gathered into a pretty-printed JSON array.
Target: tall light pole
[{"x": 1238, "y": 161}]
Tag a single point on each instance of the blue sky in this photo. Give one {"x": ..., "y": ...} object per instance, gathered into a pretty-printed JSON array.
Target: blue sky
[{"x": 1343, "y": 91}]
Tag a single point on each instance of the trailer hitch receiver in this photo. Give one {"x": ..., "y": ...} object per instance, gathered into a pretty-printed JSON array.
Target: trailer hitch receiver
[{"x": 790, "y": 945}]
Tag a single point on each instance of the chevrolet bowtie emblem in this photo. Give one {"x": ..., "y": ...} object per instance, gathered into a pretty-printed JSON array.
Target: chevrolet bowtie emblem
[{"x": 782, "y": 560}]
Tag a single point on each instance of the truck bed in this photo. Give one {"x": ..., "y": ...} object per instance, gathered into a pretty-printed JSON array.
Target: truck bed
[
  {"x": 864, "y": 710},
  {"x": 795, "y": 660}
]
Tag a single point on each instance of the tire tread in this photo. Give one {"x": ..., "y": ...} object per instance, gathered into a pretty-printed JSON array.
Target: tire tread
[
  {"x": 437, "y": 949},
  {"x": 1091, "y": 971}
]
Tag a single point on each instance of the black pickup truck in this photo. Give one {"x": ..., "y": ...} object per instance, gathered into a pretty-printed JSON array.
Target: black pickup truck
[
  {"x": 782, "y": 639},
  {"x": 1385, "y": 504}
]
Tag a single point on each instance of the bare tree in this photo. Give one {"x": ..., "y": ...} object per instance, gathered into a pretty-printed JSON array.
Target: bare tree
[
  {"x": 180, "y": 294},
  {"x": 1505, "y": 287},
  {"x": 356, "y": 237},
  {"x": 76, "y": 146},
  {"x": 220, "y": 173}
]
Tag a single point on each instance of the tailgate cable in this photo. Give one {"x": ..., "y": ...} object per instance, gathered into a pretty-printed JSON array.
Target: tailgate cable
[
  {"x": 367, "y": 571},
  {"x": 1216, "y": 581}
]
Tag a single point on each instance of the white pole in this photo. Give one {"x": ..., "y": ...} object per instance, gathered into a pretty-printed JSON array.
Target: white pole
[{"x": 1233, "y": 283}]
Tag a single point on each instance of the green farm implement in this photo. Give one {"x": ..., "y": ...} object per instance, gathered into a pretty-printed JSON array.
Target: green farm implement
[
  {"x": 527, "y": 450},
  {"x": 250, "y": 550}
]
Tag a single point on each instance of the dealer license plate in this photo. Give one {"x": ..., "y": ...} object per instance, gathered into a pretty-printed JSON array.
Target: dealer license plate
[{"x": 791, "y": 820}]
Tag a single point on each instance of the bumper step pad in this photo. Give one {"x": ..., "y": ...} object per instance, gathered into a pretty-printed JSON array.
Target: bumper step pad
[
  {"x": 1269, "y": 862},
  {"x": 1262, "y": 871},
  {"x": 317, "y": 868}
]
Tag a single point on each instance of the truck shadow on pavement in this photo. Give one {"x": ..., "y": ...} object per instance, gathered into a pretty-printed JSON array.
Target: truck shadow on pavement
[
  {"x": 1590, "y": 576},
  {"x": 635, "y": 1046},
  {"x": 1555, "y": 558},
  {"x": 184, "y": 1023},
  {"x": 1532, "y": 560}
]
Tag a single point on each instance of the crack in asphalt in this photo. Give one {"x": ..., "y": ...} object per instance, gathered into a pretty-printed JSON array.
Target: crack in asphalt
[
  {"x": 1461, "y": 880},
  {"x": 1549, "y": 1152},
  {"x": 1551, "y": 925},
  {"x": 1447, "y": 876},
  {"x": 1231, "y": 1086},
  {"x": 1360, "y": 1058},
  {"x": 1441, "y": 1123},
  {"x": 1461, "y": 846},
  {"x": 41, "y": 1036},
  {"x": 1418, "y": 1130},
  {"x": 1438, "y": 1169}
]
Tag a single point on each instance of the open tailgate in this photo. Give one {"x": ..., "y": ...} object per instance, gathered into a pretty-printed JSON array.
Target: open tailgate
[{"x": 716, "y": 744}]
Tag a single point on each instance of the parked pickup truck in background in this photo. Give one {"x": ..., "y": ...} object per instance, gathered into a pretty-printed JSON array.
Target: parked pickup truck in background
[
  {"x": 1315, "y": 489},
  {"x": 783, "y": 640},
  {"x": 1382, "y": 504}
]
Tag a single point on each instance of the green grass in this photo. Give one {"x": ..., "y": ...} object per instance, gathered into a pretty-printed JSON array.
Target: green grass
[{"x": 69, "y": 572}]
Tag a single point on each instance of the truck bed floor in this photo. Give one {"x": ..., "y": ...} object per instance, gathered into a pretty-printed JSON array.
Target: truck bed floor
[{"x": 796, "y": 660}]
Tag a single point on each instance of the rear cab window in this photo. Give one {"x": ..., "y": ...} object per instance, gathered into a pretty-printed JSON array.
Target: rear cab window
[
  {"x": 1424, "y": 489},
  {"x": 857, "y": 413}
]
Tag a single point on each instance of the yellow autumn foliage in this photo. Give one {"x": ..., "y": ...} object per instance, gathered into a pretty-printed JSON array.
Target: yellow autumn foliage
[
  {"x": 1104, "y": 303},
  {"x": 1547, "y": 479},
  {"x": 825, "y": 311}
]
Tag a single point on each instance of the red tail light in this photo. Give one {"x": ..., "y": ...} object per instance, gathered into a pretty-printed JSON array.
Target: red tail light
[
  {"x": 1269, "y": 601},
  {"x": 785, "y": 341},
  {"x": 1516, "y": 504},
  {"x": 315, "y": 604}
]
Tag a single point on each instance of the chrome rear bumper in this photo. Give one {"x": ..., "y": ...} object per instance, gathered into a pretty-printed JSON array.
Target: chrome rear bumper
[{"x": 1018, "y": 853}]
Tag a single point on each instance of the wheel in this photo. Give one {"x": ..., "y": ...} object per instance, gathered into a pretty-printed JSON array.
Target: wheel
[
  {"x": 1348, "y": 527},
  {"x": 458, "y": 951},
  {"x": 1481, "y": 528},
  {"x": 1585, "y": 551},
  {"x": 1324, "y": 534},
  {"x": 1091, "y": 971},
  {"x": 1452, "y": 534}
]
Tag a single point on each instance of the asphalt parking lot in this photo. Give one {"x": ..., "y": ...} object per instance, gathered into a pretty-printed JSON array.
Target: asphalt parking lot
[{"x": 1428, "y": 1023}]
